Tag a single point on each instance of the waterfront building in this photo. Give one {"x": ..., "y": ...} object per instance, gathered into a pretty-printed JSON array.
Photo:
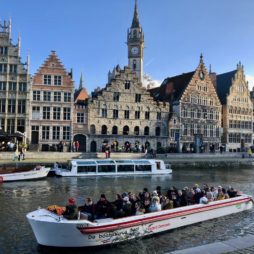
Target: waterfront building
[
  {"x": 124, "y": 115},
  {"x": 237, "y": 108},
  {"x": 195, "y": 110},
  {"x": 52, "y": 104},
  {"x": 80, "y": 116},
  {"x": 14, "y": 84}
]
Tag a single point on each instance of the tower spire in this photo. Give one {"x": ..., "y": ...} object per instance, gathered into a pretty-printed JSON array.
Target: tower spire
[
  {"x": 81, "y": 81},
  {"x": 135, "y": 21}
]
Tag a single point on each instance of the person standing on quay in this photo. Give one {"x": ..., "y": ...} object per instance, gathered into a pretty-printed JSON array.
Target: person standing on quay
[{"x": 77, "y": 146}]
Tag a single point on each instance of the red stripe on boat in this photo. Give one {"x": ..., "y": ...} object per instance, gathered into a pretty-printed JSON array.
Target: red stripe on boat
[{"x": 121, "y": 225}]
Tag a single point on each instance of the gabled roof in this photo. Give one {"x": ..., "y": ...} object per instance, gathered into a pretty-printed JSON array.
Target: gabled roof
[
  {"x": 172, "y": 88},
  {"x": 224, "y": 82},
  {"x": 80, "y": 95}
]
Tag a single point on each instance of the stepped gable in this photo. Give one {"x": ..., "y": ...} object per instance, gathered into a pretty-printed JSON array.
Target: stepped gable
[
  {"x": 52, "y": 65},
  {"x": 224, "y": 82},
  {"x": 172, "y": 87}
]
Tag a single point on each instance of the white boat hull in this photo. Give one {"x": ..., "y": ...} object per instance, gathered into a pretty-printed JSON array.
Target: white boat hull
[
  {"x": 36, "y": 173},
  {"x": 52, "y": 230}
]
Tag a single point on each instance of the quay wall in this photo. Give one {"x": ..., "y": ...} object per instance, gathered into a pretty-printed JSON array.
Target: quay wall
[{"x": 177, "y": 161}]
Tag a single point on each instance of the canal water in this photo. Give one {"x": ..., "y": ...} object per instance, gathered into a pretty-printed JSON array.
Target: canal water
[{"x": 19, "y": 198}]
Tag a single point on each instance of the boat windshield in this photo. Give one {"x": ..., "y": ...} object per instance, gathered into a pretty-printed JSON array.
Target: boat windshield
[{"x": 105, "y": 162}]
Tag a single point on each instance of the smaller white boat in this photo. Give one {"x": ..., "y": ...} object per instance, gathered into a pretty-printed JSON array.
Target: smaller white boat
[
  {"x": 36, "y": 173},
  {"x": 98, "y": 167},
  {"x": 51, "y": 229}
]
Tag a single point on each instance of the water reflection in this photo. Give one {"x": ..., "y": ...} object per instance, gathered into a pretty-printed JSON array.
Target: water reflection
[{"x": 18, "y": 198}]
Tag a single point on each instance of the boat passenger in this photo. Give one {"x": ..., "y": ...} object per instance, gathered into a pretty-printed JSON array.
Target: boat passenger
[
  {"x": 183, "y": 197},
  {"x": 221, "y": 195},
  {"x": 166, "y": 203},
  {"x": 88, "y": 210},
  {"x": 155, "y": 204},
  {"x": 71, "y": 210},
  {"x": 133, "y": 199},
  {"x": 144, "y": 194},
  {"x": 214, "y": 192},
  {"x": 127, "y": 206},
  {"x": 102, "y": 207},
  {"x": 139, "y": 209},
  {"x": 231, "y": 192},
  {"x": 203, "y": 199},
  {"x": 146, "y": 205}
]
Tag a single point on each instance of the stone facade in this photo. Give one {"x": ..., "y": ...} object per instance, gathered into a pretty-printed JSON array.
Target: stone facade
[
  {"x": 14, "y": 85},
  {"x": 125, "y": 113},
  {"x": 196, "y": 110},
  {"x": 237, "y": 109},
  {"x": 52, "y": 94}
]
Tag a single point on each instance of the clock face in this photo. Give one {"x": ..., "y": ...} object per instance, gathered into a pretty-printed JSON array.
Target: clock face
[{"x": 134, "y": 50}]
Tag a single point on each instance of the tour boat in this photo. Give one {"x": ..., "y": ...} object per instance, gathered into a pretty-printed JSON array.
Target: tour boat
[
  {"x": 53, "y": 230},
  {"x": 94, "y": 167},
  {"x": 36, "y": 173}
]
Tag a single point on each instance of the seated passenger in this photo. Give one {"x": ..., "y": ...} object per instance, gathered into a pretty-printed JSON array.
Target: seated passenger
[
  {"x": 166, "y": 203},
  {"x": 88, "y": 210},
  {"x": 203, "y": 199},
  {"x": 127, "y": 206},
  {"x": 231, "y": 192},
  {"x": 146, "y": 205},
  {"x": 139, "y": 209},
  {"x": 155, "y": 204},
  {"x": 220, "y": 195},
  {"x": 102, "y": 207},
  {"x": 71, "y": 210}
]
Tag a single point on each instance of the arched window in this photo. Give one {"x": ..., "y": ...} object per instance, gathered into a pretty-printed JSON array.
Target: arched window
[
  {"x": 126, "y": 130},
  {"x": 157, "y": 131},
  {"x": 136, "y": 130},
  {"x": 92, "y": 129},
  {"x": 114, "y": 130},
  {"x": 93, "y": 147},
  {"x": 146, "y": 131},
  {"x": 104, "y": 129}
]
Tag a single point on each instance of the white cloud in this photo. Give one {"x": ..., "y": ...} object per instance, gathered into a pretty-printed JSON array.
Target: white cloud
[
  {"x": 148, "y": 82},
  {"x": 250, "y": 79}
]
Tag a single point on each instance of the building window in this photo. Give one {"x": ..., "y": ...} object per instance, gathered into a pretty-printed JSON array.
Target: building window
[
  {"x": 92, "y": 129},
  {"x": 47, "y": 79},
  {"x": 126, "y": 114},
  {"x": 2, "y": 105},
  {"x": 56, "y": 133},
  {"x": 134, "y": 64},
  {"x": 57, "y": 80},
  {"x": 47, "y": 96},
  {"x": 137, "y": 97},
  {"x": 66, "y": 132},
  {"x": 114, "y": 130},
  {"x": 2, "y": 86},
  {"x": 36, "y": 113},
  {"x": 13, "y": 68},
  {"x": 127, "y": 84},
  {"x": 147, "y": 115},
  {"x": 3, "y": 68},
  {"x": 136, "y": 130},
  {"x": 12, "y": 86},
  {"x": 104, "y": 112},
  {"x": 11, "y": 106},
  {"x": 146, "y": 131},
  {"x": 22, "y": 87},
  {"x": 115, "y": 113},
  {"x": 104, "y": 129},
  {"x": 46, "y": 113},
  {"x": 67, "y": 114},
  {"x": 10, "y": 125},
  {"x": 158, "y": 115},
  {"x": 157, "y": 131},
  {"x": 56, "y": 113},
  {"x": 126, "y": 130},
  {"x": 116, "y": 96},
  {"x": 57, "y": 96},
  {"x": 36, "y": 95},
  {"x": 45, "y": 132},
  {"x": 80, "y": 117},
  {"x": 3, "y": 50},
  {"x": 137, "y": 114},
  {"x": 21, "y": 106},
  {"x": 21, "y": 125},
  {"x": 2, "y": 121},
  {"x": 67, "y": 97}
]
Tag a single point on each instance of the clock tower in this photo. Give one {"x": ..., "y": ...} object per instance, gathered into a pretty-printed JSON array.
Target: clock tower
[{"x": 135, "y": 42}]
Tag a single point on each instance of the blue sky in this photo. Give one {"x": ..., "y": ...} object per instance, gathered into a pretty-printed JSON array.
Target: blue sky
[{"x": 90, "y": 36}]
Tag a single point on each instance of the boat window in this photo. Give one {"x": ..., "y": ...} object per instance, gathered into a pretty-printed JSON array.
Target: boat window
[
  {"x": 142, "y": 162},
  {"x": 106, "y": 168},
  {"x": 86, "y": 169},
  {"x": 125, "y": 168},
  {"x": 124, "y": 161},
  {"x": 143, "y": 168},
  {"x": 86, "y": 163},
  {"x": 105, "y": 162}
]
